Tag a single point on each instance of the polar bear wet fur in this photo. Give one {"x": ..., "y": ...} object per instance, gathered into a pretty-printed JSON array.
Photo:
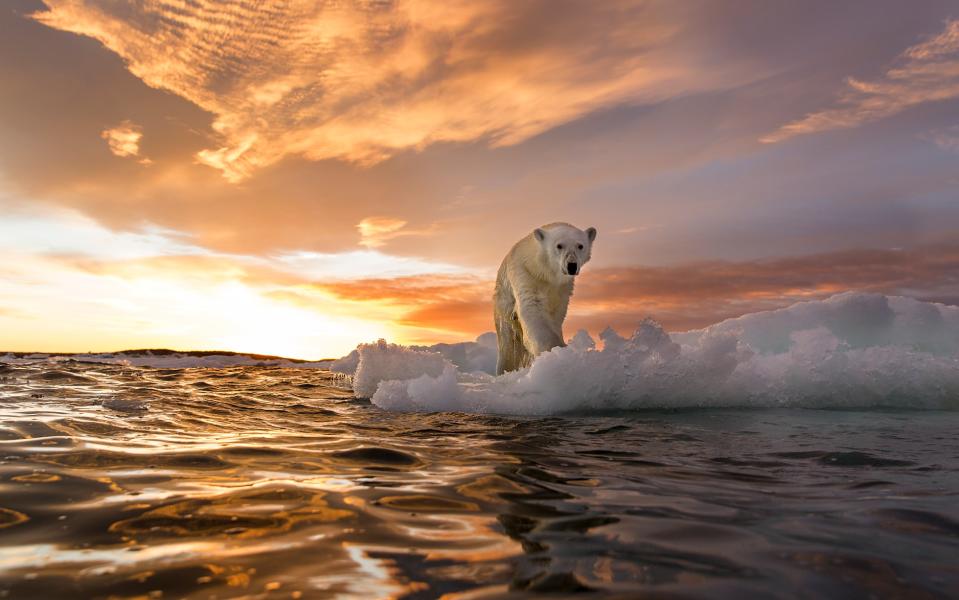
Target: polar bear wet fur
[{"x": 533, "y": 288}]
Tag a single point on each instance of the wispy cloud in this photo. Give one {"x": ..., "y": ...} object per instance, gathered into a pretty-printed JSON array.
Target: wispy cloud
[
  {"x": 946, "y": 138},
  {"x": 437, "y": 307},
  {"x": 10, "y": 313},
  {"x": 375, "y": 232},
  {"x": 363, "y": 81},
  {"x": 359, "y": 264},
  {"x": 638, "y": 229},
  {"x": 124, "y": 140},
  {"x": 59, "y": 232},
  {"x": 926, "y": 72}
]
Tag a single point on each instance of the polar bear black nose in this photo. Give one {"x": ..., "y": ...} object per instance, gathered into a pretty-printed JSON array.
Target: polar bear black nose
[{"x": 571, "y": 268}]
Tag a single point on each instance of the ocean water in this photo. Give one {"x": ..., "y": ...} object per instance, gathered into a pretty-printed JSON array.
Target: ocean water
[{"x": 270, "y": 482}]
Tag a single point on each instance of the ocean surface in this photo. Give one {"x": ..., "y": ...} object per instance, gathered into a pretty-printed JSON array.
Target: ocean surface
[{"x": 274, "y": 482}]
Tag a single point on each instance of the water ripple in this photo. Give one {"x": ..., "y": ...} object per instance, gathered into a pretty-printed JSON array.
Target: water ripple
[{"x": 276, "y": 482}]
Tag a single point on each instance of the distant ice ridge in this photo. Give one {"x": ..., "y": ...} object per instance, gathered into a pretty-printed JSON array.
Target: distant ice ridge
[{"x": 852, "y": 350}]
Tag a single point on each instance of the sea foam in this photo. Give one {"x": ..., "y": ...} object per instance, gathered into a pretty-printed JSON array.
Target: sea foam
[{"x": 853, "y": 350}]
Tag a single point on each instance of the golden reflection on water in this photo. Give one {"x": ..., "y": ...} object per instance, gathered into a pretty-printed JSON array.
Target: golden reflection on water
[
  {"x": 365, "y": 576},
  {"x": 267, "y": 482},
  {"x": 9, "y": 518},
  {"x": 256, "y": 497}
]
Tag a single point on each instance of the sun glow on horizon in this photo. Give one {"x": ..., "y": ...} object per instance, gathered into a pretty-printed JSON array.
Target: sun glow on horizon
[
  {"x": 152, "y": 312},
  {"x": 70, "y": 285},
  {"x": 249, "y": 322}
]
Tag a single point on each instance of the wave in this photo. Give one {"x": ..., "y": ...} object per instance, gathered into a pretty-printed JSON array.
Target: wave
[{"x": 853, "y": 350}]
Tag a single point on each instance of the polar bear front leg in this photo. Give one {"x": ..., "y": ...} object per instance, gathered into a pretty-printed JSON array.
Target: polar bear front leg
[
  {"x": 511, "y": 354},
  {"x": 539, "y": 334}
]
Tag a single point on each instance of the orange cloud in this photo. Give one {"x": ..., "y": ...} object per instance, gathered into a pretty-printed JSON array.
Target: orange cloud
[
  {"x": 409, "y": 289},
  {"x": 364, "y": 81},
  {"x": 926, "y": 72},
  {"x": 192, "y": 269},
  {"x": 434, "y": 307},
  {"x": 124, "y": 139},
  {"x": 376, "y": 231},
  {"x": 681, "y": 297}
]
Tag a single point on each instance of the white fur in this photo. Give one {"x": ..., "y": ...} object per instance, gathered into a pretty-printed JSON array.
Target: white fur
[{"x": 533, "y": 288}]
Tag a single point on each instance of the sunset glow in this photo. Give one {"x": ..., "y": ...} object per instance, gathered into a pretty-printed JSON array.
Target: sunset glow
[{"x": 296, "y": 180}]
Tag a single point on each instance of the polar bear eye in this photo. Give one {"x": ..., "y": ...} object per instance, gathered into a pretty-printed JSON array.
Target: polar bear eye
[
  {"x": 559, "y": 246},
  {"x": 580, "y": 246}
]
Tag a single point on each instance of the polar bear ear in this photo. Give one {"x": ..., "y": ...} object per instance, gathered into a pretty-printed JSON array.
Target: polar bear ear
[
  {"x": 540, "y": 234},
  {"x": 591, "y": 233}
]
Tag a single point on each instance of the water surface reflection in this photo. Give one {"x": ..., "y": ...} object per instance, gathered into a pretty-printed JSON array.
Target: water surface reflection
[{"x": 270, "y": 482}]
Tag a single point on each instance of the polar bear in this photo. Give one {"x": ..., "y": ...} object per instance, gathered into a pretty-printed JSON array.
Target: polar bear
[{"x": 532, "y": 293}]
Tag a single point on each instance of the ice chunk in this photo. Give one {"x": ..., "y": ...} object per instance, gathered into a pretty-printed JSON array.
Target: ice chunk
[
  {"x": 582, "y": 340},
  {"x": 381, "y": 361},
  {"x": 469, "y": 356},
  {"x": 851, "y": 350},
  {"x": 347, "y": 364}
]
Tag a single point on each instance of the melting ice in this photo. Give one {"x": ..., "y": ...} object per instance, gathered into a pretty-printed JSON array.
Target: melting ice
[{"x": 851, "y": 350}]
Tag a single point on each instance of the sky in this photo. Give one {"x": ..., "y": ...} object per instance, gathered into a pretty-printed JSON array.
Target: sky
[{"x": 297, "y": 179}]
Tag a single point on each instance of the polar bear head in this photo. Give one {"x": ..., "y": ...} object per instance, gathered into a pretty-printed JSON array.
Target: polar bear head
[{"x": 564, "y": 247}]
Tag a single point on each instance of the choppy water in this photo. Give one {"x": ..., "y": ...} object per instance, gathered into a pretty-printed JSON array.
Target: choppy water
[{"x": 274, "y": 482}]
